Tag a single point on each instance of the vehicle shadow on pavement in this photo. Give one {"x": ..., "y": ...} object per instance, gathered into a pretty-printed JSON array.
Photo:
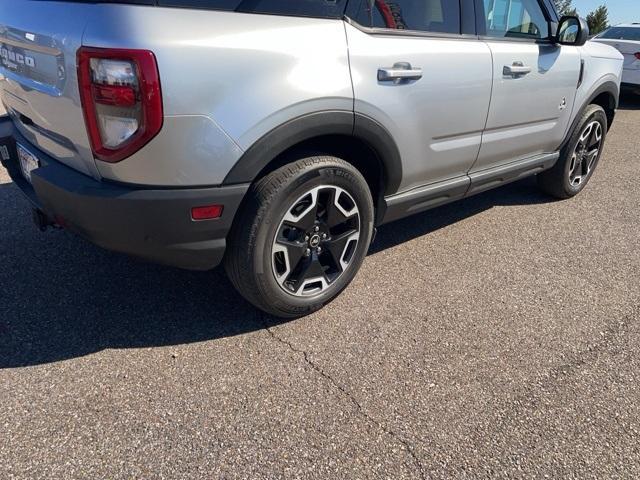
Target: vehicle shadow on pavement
[
  {"x": 630, "y": 101},
  {"x": 62, "y": 298},
  {"x": 523, "y": 192}
]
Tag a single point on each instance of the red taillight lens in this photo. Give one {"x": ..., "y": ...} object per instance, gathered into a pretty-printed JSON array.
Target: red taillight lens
[
  {"x": 207, "y": 213},
  {"x": 638, "y": 55},
  {"x": 121, "y": 99},
  {"x": 114, "y": 95}
]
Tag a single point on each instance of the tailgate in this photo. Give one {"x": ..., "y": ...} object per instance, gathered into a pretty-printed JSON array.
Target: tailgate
[{"x": 38, "y": 45}]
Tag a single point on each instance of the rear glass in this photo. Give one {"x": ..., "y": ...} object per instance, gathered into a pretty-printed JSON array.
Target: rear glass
[
  {"x": 302, "y": 8},
  {"x": 622, "y": 33}
]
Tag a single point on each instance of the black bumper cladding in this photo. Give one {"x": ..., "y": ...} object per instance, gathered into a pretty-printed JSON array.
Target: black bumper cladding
[{"x": 154, "y": 224}]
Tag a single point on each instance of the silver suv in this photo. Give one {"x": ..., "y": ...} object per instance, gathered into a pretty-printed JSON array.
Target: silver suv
[{"x": 274, "y": 136}]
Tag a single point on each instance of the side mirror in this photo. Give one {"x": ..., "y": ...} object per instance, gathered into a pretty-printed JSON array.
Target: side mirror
[{"x": 572, "y": 31}]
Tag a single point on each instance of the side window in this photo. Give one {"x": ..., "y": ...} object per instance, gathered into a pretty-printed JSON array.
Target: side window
[
  {"x": 439, "y": 16},
  {"x": 515, "y": 19},
  {"x": 302, "y": 8}
]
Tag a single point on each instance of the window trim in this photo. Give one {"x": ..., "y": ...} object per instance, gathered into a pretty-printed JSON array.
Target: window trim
[
  {"x": 408, "y": 33},
  {"x": 192, "y": 5},
  {"x": 481, "y": 26},
  {"x": 467, "y": 19}
]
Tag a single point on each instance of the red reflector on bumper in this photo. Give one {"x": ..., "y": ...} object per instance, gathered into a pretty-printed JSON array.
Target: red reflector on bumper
[{"x": 207, "y": 213}]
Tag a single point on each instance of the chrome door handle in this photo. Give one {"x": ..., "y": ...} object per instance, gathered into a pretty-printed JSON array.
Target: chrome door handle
[
  {"x": 518, "y": 69},
  {"x": 400, "y": 72}
]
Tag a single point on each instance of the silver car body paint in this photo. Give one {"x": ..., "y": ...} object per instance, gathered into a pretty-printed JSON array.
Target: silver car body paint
[
  {"x": 437, "y": 121},
  {"x": 529, "y": 114},
  {"x": 230, "y": 78},
  {"x": 245, "y": 73},
  {"x": 602, "y": 64},
  {"x": 50, "y": 99}
]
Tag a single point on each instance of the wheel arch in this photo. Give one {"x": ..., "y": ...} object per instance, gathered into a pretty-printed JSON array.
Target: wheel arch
[
  {"x": 607, "y": 95},
  {"x": 356, "y": 138}
]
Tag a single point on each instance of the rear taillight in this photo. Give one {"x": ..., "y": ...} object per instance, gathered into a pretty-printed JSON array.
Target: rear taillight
[
  {"x": 638, "y": 55},
  {"x": 121, "y": 99}
]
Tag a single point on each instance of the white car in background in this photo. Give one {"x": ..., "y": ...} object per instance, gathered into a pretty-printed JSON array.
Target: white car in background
[{"x": 626, "y": 39}]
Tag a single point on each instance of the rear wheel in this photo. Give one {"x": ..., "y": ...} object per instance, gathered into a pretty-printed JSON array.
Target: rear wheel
[
  {"x": 579, "y": 158},
  {"x": 301, "y": 237}
]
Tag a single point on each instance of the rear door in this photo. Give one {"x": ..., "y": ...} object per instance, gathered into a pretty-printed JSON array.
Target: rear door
[
  {"x": 419, "y": 71},
  {"x": 534, "y": 82},
  {"x": 38, "y": 45}
]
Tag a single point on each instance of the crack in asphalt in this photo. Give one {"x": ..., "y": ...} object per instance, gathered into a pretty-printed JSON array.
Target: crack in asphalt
[
  {"x": 407, "y": 446},
  {"x": 612, "y": 336},
  {"x": 611, "y": 343}
]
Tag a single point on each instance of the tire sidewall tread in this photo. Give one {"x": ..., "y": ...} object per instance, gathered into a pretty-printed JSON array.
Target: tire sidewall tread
[
  {"x": 555, "y": 181},
  {"x": 248, "y": 261}
]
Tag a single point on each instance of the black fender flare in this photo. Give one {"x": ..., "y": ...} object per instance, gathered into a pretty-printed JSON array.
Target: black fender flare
[
  {"x": 319, "y": 124},
  {"x": 606, "y": 87}
]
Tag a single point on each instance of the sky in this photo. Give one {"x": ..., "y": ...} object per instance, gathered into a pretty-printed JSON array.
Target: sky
[{"x": 620, "y": 11}]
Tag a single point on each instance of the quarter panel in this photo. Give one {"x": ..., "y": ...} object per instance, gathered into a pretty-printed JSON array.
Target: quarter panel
[
  {"x": 190, "y": 150},
  {"x": 248, "y": 73}
]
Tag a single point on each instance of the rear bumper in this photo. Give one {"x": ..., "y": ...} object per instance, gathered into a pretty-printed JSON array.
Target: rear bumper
[
  {"x": 631, "y": 78},
  {"x": 150, "y": 223}
]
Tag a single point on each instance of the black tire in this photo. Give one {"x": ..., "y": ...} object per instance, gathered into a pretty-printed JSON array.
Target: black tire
[
  {"x": 250, "y": 260},
  {"x": 557, "y": 181}
]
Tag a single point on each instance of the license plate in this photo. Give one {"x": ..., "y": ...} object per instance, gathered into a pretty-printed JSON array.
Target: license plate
[{"x": 28, "y": 161}]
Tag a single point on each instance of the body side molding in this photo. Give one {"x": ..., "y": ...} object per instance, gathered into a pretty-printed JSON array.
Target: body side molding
[
  {"x": 503, "y": 174},
  {"x": 430, "y": 196},
  {"x": 423, "y": 198}
]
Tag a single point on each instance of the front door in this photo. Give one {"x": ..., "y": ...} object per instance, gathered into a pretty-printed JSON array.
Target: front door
[{"x": 534, "y": 86}]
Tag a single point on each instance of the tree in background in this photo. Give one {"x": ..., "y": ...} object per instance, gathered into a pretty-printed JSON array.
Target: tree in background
[
  {"x": 598, "y": 20},
  {"x": 565, "y": 7}
]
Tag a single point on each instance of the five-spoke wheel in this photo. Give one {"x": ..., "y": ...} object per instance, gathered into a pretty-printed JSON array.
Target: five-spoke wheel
[
  {"x": 579, "y": 157},
  {"x": 302, "y": 236},
  {"x": 585, "y": 153},
  {"x": 315, "y": 241}
]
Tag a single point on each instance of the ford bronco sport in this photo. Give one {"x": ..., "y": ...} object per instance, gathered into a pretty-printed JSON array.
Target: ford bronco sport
[{"x": 274, "y": 136}]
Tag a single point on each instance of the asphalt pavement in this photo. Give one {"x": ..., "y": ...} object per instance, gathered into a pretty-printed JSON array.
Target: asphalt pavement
[{"x": 497, "y": 337}]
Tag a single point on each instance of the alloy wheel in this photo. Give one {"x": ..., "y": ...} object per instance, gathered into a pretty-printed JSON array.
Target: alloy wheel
[
  {"x": 585, "y": 154},
  {"x": 316, "y": 241}
]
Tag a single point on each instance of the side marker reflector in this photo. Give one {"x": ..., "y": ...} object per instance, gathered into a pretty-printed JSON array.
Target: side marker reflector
[{"x": 208, "y": 212}]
